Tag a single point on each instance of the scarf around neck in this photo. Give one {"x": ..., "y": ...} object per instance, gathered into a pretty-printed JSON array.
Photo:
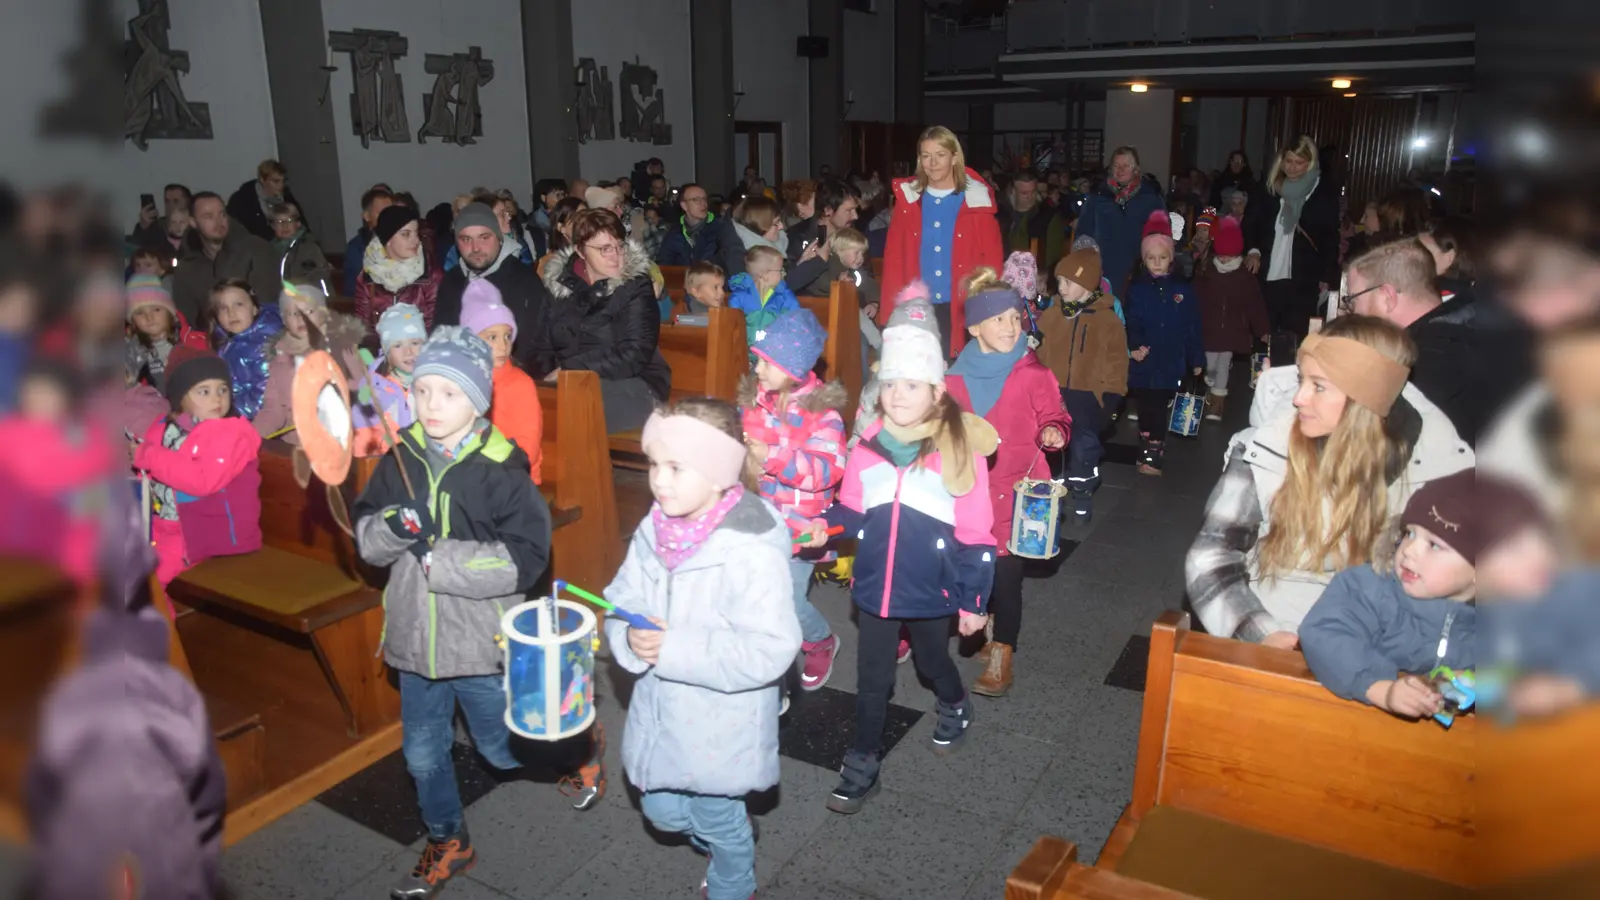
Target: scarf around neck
[
  {"x": 391, "y": 274},
  {"x": 985, "y": 373},
  {"x": 678, "y": 537},
  {"x": 1123, "y": 192},
  {"x": 1226, "y": 267},
  {"x": 283, "y": 245},
  {"x": 1294, "y": 192}
]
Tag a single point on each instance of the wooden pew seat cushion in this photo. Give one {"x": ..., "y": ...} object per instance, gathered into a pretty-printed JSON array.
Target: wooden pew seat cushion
[
  {"x": 1206, "y": 857},
  {"x": 271, "y": 580}
]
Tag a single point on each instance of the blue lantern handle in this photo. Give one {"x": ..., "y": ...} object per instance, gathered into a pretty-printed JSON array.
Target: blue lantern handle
[{"x": 634, "y": 620}]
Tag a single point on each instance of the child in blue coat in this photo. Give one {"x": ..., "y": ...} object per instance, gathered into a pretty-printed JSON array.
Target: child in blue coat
[{"x": 1163, "y": 339}]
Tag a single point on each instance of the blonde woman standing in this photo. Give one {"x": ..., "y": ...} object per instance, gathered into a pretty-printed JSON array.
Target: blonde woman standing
[
  {"x": 1293, "y": 239},
  {"x": 1342, "y": 442}
]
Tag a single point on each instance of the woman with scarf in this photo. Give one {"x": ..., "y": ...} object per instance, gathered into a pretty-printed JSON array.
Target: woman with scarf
[
  {"x": 999, "y": 378},
  {"x": 1114, "y": 214},
  {"x": 1293, "y": 238},
  {"x": 395, "y": 269}
]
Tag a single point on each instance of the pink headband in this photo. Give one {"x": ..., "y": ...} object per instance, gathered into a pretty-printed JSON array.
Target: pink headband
[{"x": 704, "y": 447}]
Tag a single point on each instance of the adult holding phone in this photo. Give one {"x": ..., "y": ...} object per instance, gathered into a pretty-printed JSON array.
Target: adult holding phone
[
  {"x": 834, "y": 207},
  {"x": 942, "y": 228},
  {"x": 152, "y": 228}
]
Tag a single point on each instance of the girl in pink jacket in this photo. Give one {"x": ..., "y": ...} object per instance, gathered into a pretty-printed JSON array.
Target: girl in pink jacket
[
  {"x": 999, "y": 378},
  {"x": 204, "y": 469}
]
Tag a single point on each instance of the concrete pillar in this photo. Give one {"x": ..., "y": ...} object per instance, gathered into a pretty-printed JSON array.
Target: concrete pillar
[
  {"x": 826, "y": 20},
  {"x": 910, "y": 29},
  {"x": 296, "y": 48},
  {"x": 547, "y": 67},
  {"x": 711, "y": 75}
]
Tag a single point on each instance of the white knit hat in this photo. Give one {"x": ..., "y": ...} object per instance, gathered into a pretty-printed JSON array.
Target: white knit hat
[{"x": 913, "y": 353}]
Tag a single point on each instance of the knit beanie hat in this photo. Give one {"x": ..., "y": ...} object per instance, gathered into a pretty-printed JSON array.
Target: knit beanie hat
[
  {"x": 147, "y": 290},
  {"x": 1081, "y": 267},
  {"x": 482, "y": 309},
  {"x": 599, "y": 198},
  {"x": 1445, "y": 506},
  {"x": 991, "y": 302},
  {"x": 793, "y": 342},
  {"x": 476, "y": 214},
  {"x": 912, "y": 307},
  {"x": 391, "y": 220},
  {"x": 911, "y": 352},
  {"x": 310, "y": 294},
  {"x": 187, "y": 367},
  {"x": 401, "y": 322},
  {"x": 1206, "y": 219},
  {"x": 456, "y": 353},
  {"x": 1022, "y": 272},
  {"x": 1157, "y": 230},
  {"x": 1226, "y": 237},
  {"x": 1085, "y": 242},
  {"x": 1504, "y": 508}
]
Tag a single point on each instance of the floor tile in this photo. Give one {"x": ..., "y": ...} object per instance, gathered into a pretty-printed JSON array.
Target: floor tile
[
  {"x": 1129, "y": 669},
  {"x": 1011, "y": 764},
  {"x": 312, "y": 853},
  {"x": 821, "y": 726},
  {"x": 530, "y": 839},
  {"x": 384, "y": 798},
  {"x": 791, "y": 815}
]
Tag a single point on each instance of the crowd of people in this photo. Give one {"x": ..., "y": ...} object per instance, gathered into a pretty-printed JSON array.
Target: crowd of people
[{"x": 1012, "y": 327}]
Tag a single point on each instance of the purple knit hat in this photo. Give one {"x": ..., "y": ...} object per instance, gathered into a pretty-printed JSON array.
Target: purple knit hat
[
  {"x": 793, "y": 342},
  {"x": 1022, "y": 273},
  {"x": 482, "y": 309}
]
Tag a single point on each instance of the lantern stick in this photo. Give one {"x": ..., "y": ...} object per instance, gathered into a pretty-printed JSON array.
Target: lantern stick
[
  {"x": 633, "y": 619},
  {"x": 837, "y": 529}
]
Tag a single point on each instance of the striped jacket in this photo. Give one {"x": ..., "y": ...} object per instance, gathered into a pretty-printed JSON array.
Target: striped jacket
[{"x": 805, "y": 446}]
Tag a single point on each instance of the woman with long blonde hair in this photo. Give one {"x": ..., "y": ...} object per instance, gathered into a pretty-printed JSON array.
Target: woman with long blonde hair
[
  {"x": 1342, "y": 442},
  {"x": 1294, "y": 245},
  {"x": 942, "y": 228}
]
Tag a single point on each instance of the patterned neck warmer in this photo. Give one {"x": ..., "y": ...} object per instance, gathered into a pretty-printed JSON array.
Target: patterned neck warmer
[
  {"x": 391, "y": 274},
  {"x": 678, "y": 537},
  {"x": 1124, "y": 192}
]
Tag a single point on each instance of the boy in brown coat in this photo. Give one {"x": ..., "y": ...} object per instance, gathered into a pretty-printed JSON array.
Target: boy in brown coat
[
  {"x": 1232, "y": 311},
  {"x": 1083, "y": 342}
]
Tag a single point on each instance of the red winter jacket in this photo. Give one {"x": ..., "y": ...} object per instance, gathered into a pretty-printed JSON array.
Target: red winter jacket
[
  {"x": 1029, "y": 403},
  {"x": 977, "y": 244},
  {"x": 216, "y": 477},
  {"x": 1232, "y": 310}
]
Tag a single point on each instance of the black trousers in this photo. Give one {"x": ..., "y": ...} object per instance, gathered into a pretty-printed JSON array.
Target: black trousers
[
  {"x": 1088, "y": 421},
  {"x": 875, "y": 664},
  {"x": 1153, "y": 414},
  {"x": 941, "y": 314},
  {"x": 1005, "y": 600},
  {"x": 1291, "y": 303}
]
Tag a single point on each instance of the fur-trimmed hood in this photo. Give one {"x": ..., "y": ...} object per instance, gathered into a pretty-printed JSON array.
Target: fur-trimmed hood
[
  {"x": 563, "y": 283},
  {"x": 978, "y": 194},
  {"x": 342, "y": 331},
  {"x": 815, "y": 396}
]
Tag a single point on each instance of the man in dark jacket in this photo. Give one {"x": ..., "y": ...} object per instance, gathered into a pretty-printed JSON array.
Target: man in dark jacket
[
  {"x": 373, "y": 203},
  {"x": 837, "y": 204},
  {"x": 1025, "y": 218},
  {"x": 698, "y": 235},
  {"x": 249, "y": 204},
  {"x": 219, "y": 248},
  {"x": 1395, "y": 281},
  {"x": 1114, "y": 214},
  {"x": 483, "y": 256},
  {"x": 152, "y": 230}
]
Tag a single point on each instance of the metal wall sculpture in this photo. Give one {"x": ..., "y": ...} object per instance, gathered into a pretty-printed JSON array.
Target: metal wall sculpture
[
  {"x": 154, "y": 105},
  {"x": 593, "y": 104},
  {"x": 377, "y": 106},
  {"x": 644, "y": 106},
  {"x": 453, "y": 110}
]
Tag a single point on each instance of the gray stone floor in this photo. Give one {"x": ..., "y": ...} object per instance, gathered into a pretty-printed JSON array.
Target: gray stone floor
[{"x": 1054, "y": 757}]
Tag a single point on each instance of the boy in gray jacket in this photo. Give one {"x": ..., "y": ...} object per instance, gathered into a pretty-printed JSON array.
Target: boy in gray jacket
[{"x": 460, "y": 553}]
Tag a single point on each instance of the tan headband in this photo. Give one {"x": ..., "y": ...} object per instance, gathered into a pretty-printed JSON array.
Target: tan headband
[{"x": 1365, "y": 375}]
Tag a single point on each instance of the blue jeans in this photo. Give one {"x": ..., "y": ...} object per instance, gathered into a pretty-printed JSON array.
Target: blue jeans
[
  {"x": 719, "y": 826},
  {"x": 813, "y": 627},
  {"x": 427, "y": 729}
]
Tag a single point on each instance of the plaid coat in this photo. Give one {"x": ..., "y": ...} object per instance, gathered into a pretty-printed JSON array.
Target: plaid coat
[{"x": 805, "y": 446}]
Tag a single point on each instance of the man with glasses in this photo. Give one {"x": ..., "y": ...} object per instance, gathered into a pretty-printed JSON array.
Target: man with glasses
[
  {"x": 299, "y": 258},
  {"x": 1395, "y": 281},
  {"x": 698, "y": 235},
  {"x": 482, "y": 256}
]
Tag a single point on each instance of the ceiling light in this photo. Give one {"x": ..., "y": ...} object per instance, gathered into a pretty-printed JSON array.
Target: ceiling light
[
  {"x": 1340, "y": 84},
  {"x": 1420, "y": 142},
  {"x": 1138, "y": 88},
  {"x": 1351, "y": 94}
]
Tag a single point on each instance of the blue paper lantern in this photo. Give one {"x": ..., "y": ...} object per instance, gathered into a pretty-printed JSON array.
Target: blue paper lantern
[{"x": 550, "y": 647}]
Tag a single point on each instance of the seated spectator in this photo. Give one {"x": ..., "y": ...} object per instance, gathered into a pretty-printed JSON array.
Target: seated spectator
[
  {"x": 1395, "y": 281},
  {"x": 373, "y": 203},
  {"x": 1340, "y": 442},
  {"x": 549, "y": 192},
  {"x": 483, "y": 255},
  {"x": 300, "y": 305},
  {"x": 156, "y": 328},
  {"x": 603, "y": 319},
  {"x": 560, "y": 230},
  {"x": 1450, "y": 241},
  {"x": 835, "y": 205},
  {"x": 1379, "y": 630},
  {"x": 759, "y": 291},
  {"x": 146, "y": 261},
  {"x": 799, "y": 199},
  {"x": 514, "y": 401},
  {"x": 178, "y": 224},
  {"x": 395, "y": 269},
  {"x": 151, "y": 230},
  {"x": 243, "y": 336},
  {"x": 216, "y": 251},
  {"x": 697, "y": 235},
  {"x": 514, "y": 225},
  {"x": 299, "y": 257},
  {"x": 705, "y": 287},
  {"x": 252, "y": 203},
  {"x": 756, "y": 223}
]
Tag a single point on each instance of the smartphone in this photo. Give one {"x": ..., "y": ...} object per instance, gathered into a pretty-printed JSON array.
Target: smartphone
[{"x": 147, "y": 200}]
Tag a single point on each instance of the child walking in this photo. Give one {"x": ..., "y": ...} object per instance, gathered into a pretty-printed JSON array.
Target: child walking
[
  {"x": 796, "y": 435},
  {"x": 466, "y": 547},
  {"x": 1163, "y": 337},
  {"x": 204, "y": 469},
  {"x": 243, "y": 336},
  {"x": 515, "y": 410},
  {"x": 1085, "y": 344},
  {"x": 998, "y": 377},
  {"x": 709, "y": 566},
  {"x": 1232, "y": 312},
  {"x": 1374, "y": 636},
  {"x": 915, "y": 495}
]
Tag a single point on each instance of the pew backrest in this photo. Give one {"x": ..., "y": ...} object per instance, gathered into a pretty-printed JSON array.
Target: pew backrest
[
  {"x": 840, "y": 315},
  {"x": 576, "y": 475},
  {"x": 707, "y": 360}
]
